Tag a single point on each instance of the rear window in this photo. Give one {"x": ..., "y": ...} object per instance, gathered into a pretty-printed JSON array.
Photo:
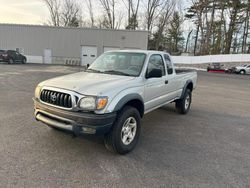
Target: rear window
[{"x": 168, "y": 64}]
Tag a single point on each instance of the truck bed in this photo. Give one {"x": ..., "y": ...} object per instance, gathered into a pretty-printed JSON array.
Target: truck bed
[{"x": 183, "y": 71}]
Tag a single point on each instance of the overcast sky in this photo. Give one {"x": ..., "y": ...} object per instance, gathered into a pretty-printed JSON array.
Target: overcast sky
[
  {"x": 35, "y": 12},
  {"x": 26, "y": 11},
  {"x": 23, "y": 11}
]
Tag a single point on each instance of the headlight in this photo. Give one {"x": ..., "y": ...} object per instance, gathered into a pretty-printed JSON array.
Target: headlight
[
  {"x": 88, "y": 103},
  {"x": 37, "y": 91},
  {"x": 93, "y": 103}
]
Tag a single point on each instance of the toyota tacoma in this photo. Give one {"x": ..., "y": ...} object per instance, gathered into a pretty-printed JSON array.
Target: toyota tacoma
[{"x": 113, "y": 94}]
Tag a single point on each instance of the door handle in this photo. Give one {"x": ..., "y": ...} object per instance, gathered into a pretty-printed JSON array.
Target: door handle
[{"x": 166, "y": 82}]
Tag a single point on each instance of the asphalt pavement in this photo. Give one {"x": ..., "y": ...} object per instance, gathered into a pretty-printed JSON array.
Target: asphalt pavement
[{"x": 209, "y": 147}]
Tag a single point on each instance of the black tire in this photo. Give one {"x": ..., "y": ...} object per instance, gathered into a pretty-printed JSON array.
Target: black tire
[
  {"x": 24, "y": 61},
  {"x": 183, "y": 105},
  {"x": 11, "y": 61},
  {"x": 242, "y": 72},
  {"x": 113, "y": 141}
]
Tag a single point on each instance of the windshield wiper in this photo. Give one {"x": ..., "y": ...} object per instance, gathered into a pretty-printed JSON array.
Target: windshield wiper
[
  {"x": 117, "y": 72},
  {"x": 93, "y": 70}
]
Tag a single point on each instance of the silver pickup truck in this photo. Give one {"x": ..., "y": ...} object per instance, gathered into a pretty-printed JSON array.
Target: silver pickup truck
[{"x": 112, "y": 96}]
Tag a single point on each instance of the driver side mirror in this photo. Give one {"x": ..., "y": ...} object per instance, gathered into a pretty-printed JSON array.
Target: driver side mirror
[{"x": 154, "y": 73}]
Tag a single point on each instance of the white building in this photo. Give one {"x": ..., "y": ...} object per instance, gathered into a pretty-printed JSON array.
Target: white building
[{"x": 62, "y": 45}]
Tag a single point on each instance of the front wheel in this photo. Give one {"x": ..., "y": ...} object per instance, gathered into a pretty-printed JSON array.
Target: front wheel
[
  {"x": 24, "y": 61},
  {"x": 183, "y": 105},
  {"x": 242, "y": 72},
  {"x": 125, "y": 132}
]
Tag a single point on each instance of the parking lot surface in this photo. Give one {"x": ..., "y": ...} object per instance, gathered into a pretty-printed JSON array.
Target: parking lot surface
[{"x": 209, "y": 147}]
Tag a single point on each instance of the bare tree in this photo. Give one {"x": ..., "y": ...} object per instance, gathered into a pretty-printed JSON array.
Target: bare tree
[
  {"x": 151, "y": 12},
  {"x": 54, "y": 9},
  {"x": 246, "y": 26},
  {"x": 109, "y": 9},
  {"x": 133, "y": 8},
  {"x": 70, "y": 14},
  {"x": 63, "y": 13},
  {"x": 198, "y": 11},
  {"x": 188, "y": 39},
  {"x": 234, "y": 15},
  {"x": 91, "y": 13},
  {"x": 164, "y": 19}
]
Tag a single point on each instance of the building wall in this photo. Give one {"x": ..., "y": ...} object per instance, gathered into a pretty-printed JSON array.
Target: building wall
[{"x": 66, "y": 43}]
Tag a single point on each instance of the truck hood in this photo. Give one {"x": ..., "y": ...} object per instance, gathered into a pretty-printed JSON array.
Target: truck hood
[{"x": 88, "y": 83}]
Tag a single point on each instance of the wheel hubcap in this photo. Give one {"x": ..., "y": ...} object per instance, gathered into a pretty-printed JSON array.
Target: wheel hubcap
[
  {"x": 187, "y": 102},
  {"x": 129, "y": 130}
]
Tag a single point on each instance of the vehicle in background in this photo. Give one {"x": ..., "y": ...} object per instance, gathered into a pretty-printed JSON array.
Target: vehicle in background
[
  {"x": 12, "y": 56},
  {"x": 1, "y": 52},
  {"x": 230, "y": 70},
  {"x": 243, "y": 69},
  {"x": 215, "y": 67}
]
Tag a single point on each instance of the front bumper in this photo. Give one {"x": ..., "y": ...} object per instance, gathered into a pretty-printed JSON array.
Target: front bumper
[
  {"x": 4, "y": 59},
  {"x": 76, "y": 122}
]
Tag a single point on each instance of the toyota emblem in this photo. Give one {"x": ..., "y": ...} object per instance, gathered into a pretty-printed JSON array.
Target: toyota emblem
[{"x": 53, "y": 97}]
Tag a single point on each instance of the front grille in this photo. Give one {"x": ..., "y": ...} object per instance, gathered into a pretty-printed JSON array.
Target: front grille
[{"x": 56, "y": 98}]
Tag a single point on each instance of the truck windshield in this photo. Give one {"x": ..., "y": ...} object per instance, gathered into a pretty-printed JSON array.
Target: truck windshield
[{"x": 119, "y": 63}]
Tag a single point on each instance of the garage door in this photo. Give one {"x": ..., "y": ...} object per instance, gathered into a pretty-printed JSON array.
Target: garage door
[
  {"x": 106, "y": 49},
  {"x": 89, "y": 54}
]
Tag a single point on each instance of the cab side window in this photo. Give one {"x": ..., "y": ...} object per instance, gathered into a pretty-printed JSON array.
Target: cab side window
[
  {"x": 168, "y": 64},
  {"x": 156, "y": 62}
]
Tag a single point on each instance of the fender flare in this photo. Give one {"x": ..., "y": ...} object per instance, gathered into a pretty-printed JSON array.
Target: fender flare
[
  {"x": 126, "y": 99},
  {"x": 185, "y": 87}
]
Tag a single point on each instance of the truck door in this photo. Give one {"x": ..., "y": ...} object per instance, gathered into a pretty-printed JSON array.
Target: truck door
[
  {"x": 154, "y": 87},
  {"x": 173, "y": 87}
]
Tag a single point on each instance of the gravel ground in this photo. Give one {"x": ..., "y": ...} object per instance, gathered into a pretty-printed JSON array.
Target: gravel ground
[{"x": 209, "y": 147}]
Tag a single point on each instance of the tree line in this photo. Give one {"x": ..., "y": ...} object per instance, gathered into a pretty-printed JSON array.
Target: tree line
[{"x": 214, "y": 26}]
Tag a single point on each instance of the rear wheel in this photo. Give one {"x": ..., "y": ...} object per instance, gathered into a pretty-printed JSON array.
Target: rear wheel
[
  {"x": 183, "y": 105},
  {"x": 125, "y": 132}
]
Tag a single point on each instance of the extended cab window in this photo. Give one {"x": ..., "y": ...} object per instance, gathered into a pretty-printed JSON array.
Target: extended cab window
[
  {"x": 168, "y": 64},
  {"x": 156, "y": 62}
]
